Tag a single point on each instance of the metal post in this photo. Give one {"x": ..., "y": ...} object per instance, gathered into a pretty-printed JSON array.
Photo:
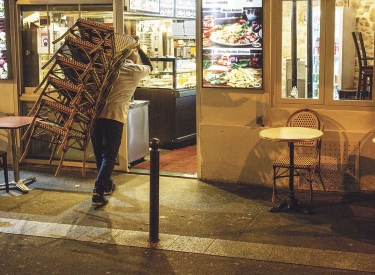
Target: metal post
[{"x": 154, "y": 190}]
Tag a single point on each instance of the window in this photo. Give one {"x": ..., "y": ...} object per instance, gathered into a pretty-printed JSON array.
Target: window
[
  {"x": 300, "y": 49},
  {"x": 319, "y": 64},
  {"x": 41, "y": 25},
  {"x": 353, "y": 50}
]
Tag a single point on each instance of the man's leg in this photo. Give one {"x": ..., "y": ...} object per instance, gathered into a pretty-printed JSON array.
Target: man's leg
[
  {"x": 97, "y": 142},
  {"x": 112, "y": 134}
]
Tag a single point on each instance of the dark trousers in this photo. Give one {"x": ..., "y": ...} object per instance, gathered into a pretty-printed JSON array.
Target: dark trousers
[{"x": 106, "y": 140}]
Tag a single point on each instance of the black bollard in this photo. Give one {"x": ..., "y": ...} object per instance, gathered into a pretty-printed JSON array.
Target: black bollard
[{"x": 154, "y": 190}]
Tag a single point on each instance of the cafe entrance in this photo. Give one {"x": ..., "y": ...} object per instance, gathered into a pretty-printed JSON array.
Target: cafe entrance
[{"x": 170, "y": 89}]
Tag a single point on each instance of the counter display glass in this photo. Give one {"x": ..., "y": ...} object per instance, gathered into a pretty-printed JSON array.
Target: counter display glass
[
  {"x": 171, "y": 73},
  {"x": 170, "y": 89}
]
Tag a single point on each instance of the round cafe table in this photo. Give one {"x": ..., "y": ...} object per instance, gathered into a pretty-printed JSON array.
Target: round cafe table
[{"x": 290, "y": 135}]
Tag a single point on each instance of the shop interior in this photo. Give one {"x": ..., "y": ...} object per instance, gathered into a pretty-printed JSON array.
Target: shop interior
[
  {"x": 169, "y": 89},
  {"x": 352, "y": 50}
]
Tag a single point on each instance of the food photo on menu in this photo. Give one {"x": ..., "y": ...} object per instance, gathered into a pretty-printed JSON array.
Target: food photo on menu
[{"x": 232, "y": 48}]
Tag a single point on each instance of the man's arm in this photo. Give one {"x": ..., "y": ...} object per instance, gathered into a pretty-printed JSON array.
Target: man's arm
[{"x": 144, "y": 58}]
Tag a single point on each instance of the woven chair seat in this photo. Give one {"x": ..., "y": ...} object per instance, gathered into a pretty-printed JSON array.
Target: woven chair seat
[
  {"x": 64, "y": 88},
  {"x": 76, "y": 71},
  {"x": 58, "y": 129},
  {"x": 71, "y": 63},
  {"x": 71, "y": 90},
  {"x": 124, "y": 42},
  {"x": 299, "y": 162},
  {"x": 87, "y": 45},
  {"x": 62, "y": 84},
  {"x": 79, "y": 116},
  {"x": 84, "y": 23}
]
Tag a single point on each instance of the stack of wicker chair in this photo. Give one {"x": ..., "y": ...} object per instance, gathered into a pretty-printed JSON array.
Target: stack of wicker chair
[{"x": 80, "y": 75}]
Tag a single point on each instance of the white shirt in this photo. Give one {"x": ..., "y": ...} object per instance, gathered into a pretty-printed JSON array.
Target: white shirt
[{"x": 118, "y": 100}]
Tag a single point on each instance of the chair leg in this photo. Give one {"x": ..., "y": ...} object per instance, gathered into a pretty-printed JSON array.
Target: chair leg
[
  {"x": 274, "y": 185},
  {"x": 322, "y": 182},
  {"x": 5, "y": 168},
  {"x": 311, "y": 178},
  {"x": 27, "y": 147},
  {"x": 359, "y": 93},
  {"x": 60, "y": 163},
  {"x": 54, "y": 149},
  {"x": 84, "y": 164}
]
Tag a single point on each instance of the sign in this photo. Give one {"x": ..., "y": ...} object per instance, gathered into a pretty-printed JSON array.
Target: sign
[
  {"x": 152, "y": 6},
  {"x": 43, "y": 21},
  {"x": 232, "y": 43},
  {"x": 4, "y": 47},
  {"x": 44, "y": 40}
]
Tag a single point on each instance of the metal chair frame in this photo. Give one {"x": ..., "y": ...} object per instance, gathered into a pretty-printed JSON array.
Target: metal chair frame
[
  {"x": 4, "y": 164},
  {"x": 307, "y": 157},
  {"x": 365, "y": 71}
]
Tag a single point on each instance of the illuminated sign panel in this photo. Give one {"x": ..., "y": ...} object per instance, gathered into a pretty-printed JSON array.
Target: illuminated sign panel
[
  {"x": 4, "y": 58},
  {"x": 232, "y": 43}
]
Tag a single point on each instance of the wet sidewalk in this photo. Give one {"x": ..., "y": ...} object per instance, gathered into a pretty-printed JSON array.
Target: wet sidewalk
[{"x": 208, "y": 219}]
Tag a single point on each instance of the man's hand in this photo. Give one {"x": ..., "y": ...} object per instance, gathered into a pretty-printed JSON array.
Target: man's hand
[{"x": 136, "y": 37}]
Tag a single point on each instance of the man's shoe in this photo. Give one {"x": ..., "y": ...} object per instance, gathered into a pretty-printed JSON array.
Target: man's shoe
[
  {"x": 110, "y": 189},
  {"x": 99, "y": 200}
]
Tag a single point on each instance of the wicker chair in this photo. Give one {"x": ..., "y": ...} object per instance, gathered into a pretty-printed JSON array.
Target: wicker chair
[{"x": 307, "y": 154}]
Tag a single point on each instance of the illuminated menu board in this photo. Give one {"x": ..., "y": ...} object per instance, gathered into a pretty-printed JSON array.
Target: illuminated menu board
[
  {"x": 185, "y": 9},
  {"x": 167, "y": 8},
  {"x": 232, "y": 43},
  {"x": 3, "y": 43},
  {"x": 145, "y": 5}
]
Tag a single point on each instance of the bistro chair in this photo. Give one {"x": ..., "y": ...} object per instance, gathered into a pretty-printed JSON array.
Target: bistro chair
[
  {"x": 365, "y": 70},
  {"x": 307, "y": 154}
]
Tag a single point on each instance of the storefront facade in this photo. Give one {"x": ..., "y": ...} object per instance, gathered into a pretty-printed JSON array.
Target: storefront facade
[{"x": 229, "y": 118}]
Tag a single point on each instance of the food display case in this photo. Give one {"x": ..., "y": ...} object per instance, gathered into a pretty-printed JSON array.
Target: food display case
[
  {"x": 170, "y": 88},
  {"x": 171, "y": 73}
]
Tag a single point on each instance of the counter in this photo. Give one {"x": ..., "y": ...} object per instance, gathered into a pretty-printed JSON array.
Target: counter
[
  {"x": 138, "y": 130},
  {"x": 172, "y": 115}
]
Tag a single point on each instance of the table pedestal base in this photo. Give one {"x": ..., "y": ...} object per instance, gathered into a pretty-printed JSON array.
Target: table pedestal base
[
  {"x": 19, "y": 185},
  {"x": 291, "y": 204}
]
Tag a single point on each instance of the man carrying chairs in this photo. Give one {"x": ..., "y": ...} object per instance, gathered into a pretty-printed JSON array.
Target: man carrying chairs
[{"x": 107, "y": 134}]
